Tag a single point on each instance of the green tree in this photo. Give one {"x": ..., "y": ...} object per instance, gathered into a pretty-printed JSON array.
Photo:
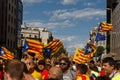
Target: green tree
[{"x": 99, "y": 51}]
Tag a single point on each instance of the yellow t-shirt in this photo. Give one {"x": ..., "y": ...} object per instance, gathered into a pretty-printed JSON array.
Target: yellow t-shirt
[
  {"x": 117, "y": 77},
  {"x": 36, "y": 75},
  {"x": 83, "y": 77}
]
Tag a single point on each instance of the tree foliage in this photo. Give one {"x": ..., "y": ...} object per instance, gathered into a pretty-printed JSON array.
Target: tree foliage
[{"x": 99, "y": 51}]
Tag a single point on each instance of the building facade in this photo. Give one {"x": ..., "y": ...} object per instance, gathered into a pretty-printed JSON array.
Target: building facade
[
  {"x": 40, "y": 34},
  {"x": 93, "y": 33},
  {"x": 9, "y": 13},
  {"x": 116, "y": 32}
]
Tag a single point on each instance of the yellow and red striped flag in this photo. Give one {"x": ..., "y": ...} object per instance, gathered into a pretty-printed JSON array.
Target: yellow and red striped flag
[
  {"x": 80, "y": 57},
  {"x": 6, "y": 54},
  {"x": 34, "y": 47},
  {"x": 55, "y": 45},
  {"x": 103, "y": 27}
]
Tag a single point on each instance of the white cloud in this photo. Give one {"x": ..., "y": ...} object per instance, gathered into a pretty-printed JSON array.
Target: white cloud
[
  {"x": 68, "y": 2},
  {"x": 32, "y": 1},
  {"x": 71, "y": 42},
  {"x": 89, "y": 3},
  {"x": 67, "y": 39},
  {"x": 64, "y": 24},
  {"x": 76, "y": 14},
  {"x": 49, "y": 25}
]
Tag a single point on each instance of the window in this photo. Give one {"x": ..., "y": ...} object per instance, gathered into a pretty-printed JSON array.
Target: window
[
  {"x": 30, "y": 35},
  {"x": 8, "y": 43},
  {"x": 8, "y": 28},
  {"x": 35, "y": 36}
]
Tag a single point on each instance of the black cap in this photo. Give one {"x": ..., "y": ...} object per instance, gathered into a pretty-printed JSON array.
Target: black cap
[{"x": 41, "y": 62}]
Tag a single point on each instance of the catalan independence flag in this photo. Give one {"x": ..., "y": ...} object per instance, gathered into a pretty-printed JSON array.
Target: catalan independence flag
[
  {"x": 90, "y": 49},
  {"x": 6, "y": 54},
  {"x": 80, "y": 57},
  {"x": 33, "y": 47},
  {"x": 103, "y": 27},
  {"x": 82, "y": 77},
  {"x": 100, "y": 37},
  {"x": 55, "y": 46}
]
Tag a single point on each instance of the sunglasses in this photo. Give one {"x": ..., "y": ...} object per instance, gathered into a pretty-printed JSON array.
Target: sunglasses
[{"x": 63, "y": 64}]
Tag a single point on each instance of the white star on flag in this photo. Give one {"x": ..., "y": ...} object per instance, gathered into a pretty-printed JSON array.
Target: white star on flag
[
  {"x": 27, "y": 47},
  {"x": 89, "y": 49},
  {"x": 2, "y": 52}
]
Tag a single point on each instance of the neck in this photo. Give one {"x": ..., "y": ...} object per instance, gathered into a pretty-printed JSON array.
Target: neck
[
  {"x": 31, "y": 71},
  {"x": 111, "y": 72},
  {"x": 65, "y": 71}
]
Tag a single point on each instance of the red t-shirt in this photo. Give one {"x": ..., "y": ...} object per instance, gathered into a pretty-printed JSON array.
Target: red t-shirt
[
  {"x": 102, "y": 73},
  {"x": 1, "y": 75},
  {"x": 44, "y": 74}
]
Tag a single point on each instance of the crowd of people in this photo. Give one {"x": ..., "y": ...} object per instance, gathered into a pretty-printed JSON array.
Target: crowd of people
[{"x": 59, "y": 69}]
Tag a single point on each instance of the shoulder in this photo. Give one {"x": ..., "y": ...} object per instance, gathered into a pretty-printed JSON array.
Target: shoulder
[
  {"x": 116, "y": 77},
  {"x": 36, "y": 74},
  {"x": 82, "y": 77}
]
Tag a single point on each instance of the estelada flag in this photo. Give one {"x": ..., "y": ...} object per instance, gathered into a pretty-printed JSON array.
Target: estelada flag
[{"x": 103, "y": 27}]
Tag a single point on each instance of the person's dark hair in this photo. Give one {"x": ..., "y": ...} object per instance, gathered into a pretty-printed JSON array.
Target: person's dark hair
[
  {"x": 109, "y": 60},
  {"x": 103, "y": 78},
  {"x": 41, "y": 62},
  {"x": 25, "y": 56},
  {"x": 92, "y": 62},
  {"x": 66, "y": 60},
  {"x": 25, "y": 69},
  {"x": 93, "y": 67},
  {"x": 82, "y": 68},
  {"x": 118, "y": 65}
]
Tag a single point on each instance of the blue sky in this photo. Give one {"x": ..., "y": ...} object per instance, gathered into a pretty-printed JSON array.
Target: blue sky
[{"x": 69, "y": 20}]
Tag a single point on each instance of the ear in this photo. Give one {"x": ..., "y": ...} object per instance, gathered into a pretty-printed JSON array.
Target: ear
[
  {"x": 77, "y": 72},
  {"x": 6, "y": 76},
  {"x": 113, "y": 66}
]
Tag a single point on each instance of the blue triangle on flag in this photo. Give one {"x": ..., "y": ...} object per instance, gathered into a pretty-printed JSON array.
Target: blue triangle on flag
[
  {"x": 26, "y": 46},
  {"x": 99, "y": 37},
  {"x": 48, "y": 51},
  {"x": 88, "y": 49},
  {"x": 2, "y": 52}
]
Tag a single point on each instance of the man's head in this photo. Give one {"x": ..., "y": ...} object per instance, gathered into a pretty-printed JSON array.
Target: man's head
[
  {"x": 108, "y": 64},
  {"x": 118, "y": 66},
  {"x": 14, "y": 70},
  {"x": 41, "y": 65},
  {"x": 81, "y": 69},
  {"x": 64, "y": 64},
  {"x": 55, "y": 73},
  {"x": 30, "y": 65}
]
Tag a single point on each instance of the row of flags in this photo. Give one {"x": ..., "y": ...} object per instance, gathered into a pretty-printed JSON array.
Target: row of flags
[
  {"x": 103, "y": 27},
  {"x": 84, "y": 56},
  {"x": 36, "y": 48},
  {"x": 6, "y": 54}
]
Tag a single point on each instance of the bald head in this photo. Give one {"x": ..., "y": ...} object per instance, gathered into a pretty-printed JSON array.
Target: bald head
[{"x": 55, "y": 73}]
